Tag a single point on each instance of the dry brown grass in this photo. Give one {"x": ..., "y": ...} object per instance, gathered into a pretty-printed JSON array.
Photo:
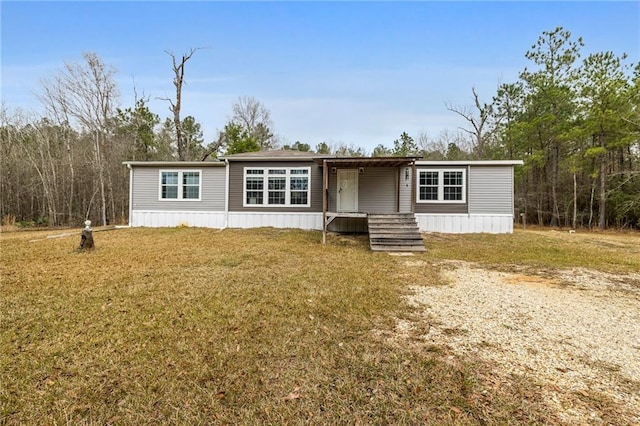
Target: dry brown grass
[
  {"x": 8, "y": 223},
  {"x": 200, "y": 326},
  {"x": 538, "y": 249}
]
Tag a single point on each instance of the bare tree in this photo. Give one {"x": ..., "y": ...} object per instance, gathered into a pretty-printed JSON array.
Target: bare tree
[
  {"x": 36, "y": 144},
  {"x": 255, "y": 118},
  {"x": 178, "y": 80},
  {"x": 214, "y": 146},
  {"x": 57, "y": 110},
  {"x": 431, "y": 148},
  {"x": 479, "y": 122},
  {"x": 85, "y": 93}
]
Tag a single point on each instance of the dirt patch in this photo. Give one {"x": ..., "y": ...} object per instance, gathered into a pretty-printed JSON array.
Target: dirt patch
[{"x": 577, "y": 334}]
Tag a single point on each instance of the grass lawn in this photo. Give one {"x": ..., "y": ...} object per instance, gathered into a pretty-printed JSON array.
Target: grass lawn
[
  {"x": 260, "y": 326},
  {"x": 538, "y": 249}
]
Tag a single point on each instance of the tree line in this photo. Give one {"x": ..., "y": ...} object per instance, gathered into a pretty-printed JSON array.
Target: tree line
[
  {"x": 64, "y": 166},
  {"x": 575, "y": 123}
]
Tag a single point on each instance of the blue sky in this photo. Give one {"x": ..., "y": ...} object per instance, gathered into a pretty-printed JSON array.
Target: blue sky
[{"x": 359, "y": 73}]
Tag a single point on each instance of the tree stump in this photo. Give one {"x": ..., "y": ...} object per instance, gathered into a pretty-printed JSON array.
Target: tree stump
[{"x": 86, "y": 239}]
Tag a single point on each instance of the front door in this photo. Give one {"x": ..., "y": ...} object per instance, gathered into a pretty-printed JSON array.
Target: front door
[{"x": 347, "y": 195}]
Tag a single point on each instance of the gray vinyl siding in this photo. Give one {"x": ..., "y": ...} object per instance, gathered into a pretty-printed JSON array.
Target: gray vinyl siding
[
  {"x": 377, "y": 190},
  {"x": 443, "y": 208},
  {"x": 236, "y": 186},
  {"x": 406, "y": 198},
  {"x": 146, "y": 187},
  {"x": 490, "y": 190}
]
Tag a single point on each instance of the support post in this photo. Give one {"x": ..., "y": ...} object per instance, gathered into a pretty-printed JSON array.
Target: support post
[{"x": 413, "y": 186}]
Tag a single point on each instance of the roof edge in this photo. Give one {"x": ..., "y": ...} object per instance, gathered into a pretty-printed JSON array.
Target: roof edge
[
  {"x": 469, "y": 163},
  {"x": 269, "y": 158},
  {"x": 320, "y": 158},
  {"x": 273, "y": 155},
  {"x": 175, "y": 163}
]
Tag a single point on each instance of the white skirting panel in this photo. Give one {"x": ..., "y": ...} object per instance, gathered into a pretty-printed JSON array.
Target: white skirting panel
[
  {"x": 276, "y": 220},
  {"x": 167, "y": 219},
  {"x": 465, "y": 224}
]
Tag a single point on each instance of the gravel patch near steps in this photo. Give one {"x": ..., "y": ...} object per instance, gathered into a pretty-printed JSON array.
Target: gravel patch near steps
[{"x": 577, "y": 332}]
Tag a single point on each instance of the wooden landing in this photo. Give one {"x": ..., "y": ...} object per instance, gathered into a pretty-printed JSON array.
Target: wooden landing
[{"x": 394, "y": 232}]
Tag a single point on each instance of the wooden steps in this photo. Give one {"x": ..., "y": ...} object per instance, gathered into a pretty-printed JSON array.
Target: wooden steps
[{"x": 394, "y": 232}]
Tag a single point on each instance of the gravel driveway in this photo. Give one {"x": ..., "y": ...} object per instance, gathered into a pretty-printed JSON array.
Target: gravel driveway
[{"x": 576, "y": 332}]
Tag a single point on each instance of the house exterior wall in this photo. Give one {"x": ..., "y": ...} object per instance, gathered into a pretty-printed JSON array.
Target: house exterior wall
[
  {"x": 465, "y": 223},
  {"x": 442, "y": 208},
  {"x": 298, "y": 220},
  {"x": 377, "y": 190},
  {"x": 146, "y": 190},
  {"x": 236, "y": 186},
  {"x": 169, "y": 219},
  {"x": 489, "y": 206},
  {"x": 148, "y": 210},
  {"x": 406, "y": 189},
  {"x": 490, "y": 190}
]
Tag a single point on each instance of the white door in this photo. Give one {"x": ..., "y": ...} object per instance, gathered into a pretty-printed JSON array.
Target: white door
[{"x": 347, "y": 190}]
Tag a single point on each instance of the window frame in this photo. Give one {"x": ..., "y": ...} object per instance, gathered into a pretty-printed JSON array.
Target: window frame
[
  {"x": 440, "y": 199},
  {"x": 288, "y": 175},
  {"x": 180, "y": 184}
]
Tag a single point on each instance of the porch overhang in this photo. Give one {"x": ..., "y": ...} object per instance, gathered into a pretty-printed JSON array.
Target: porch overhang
[
  {"x": 328, "y": 163},
  {"x": 357, "y": 162}
]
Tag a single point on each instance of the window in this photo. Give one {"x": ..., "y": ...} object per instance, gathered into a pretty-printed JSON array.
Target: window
[
  {"x": 277, "y": 187},
  {"x": 254, "y": 186},
  {"x": 299, "y": 187},
  {"x": 428, "y": 186},
  {"x": 180, "y": 185},
  {"x": 191, "y": 185},
  {"x": 452, "y": 184},
  {"x": 441, "y": 186},
  {"x": 169, "y": 185}
]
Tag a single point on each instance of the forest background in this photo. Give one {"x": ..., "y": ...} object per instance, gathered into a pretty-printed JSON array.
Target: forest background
[{"x": 574, "y": 120}]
